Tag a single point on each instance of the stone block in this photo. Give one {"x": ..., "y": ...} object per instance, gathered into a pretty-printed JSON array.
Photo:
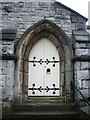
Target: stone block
[
  {"x": 9, "y": 81},
  {"x": 2, "y": 80},
  {"x": 80, "y": 45},
  {"x": 10, "y": 63},
  {"x": 83, "y": 45},
  {"x": 7, "y": 93},
  {"x": 2, "y": 63},
  {"x": 82, "y": 74},
  {"x": 82, "y": 37},
  {"x": 80, "y": 52},
  {"x": 85, "y": 84},
  {"x": 7, "y": 71},
  {"x": 6, "y": 49},
  {"x": 80, "y": 26},
  {"x": 6, "y": 110},
  {"x": 77, "y": 66},
  {"x": 65, "y": 28},
  {"x": 8, "y": 43},
  {"x": 7, "y": 63},
  {"x": 43, "y": 4},
  {"x": 86, "y": 93},
  {"x": 51, "y": 13},
  {"x": 51, "y": 19},
  {"x": 85, "y": 65},
  {"x": 76, "y": 18}
]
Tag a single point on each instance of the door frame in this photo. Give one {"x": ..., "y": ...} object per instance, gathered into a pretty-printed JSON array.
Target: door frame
[{"x": 50, "y": 30}]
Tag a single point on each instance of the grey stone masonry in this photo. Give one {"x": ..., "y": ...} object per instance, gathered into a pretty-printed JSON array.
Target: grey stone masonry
[
  {"x": 16, "y": 18},
  {"x": 7, "y": 65},
  {"x": 7, "y": 79},
  {"x": 81, "y": 45},
  {"x": 7, "y": 48},
  {"x": 20, "y": 16}
]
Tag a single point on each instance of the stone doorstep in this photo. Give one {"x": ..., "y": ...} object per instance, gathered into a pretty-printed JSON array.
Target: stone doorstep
[
  {"x": 45, "y": 107},
  {"x": 57, "y": 114},
  {"x": 45, "y": 110}
]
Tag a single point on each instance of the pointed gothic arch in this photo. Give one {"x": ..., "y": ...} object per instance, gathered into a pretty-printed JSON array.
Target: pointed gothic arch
[{"x": 54, "y": 33}]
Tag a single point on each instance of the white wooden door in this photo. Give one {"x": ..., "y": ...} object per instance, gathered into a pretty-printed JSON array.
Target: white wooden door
[{"x": 43, "y": 77}]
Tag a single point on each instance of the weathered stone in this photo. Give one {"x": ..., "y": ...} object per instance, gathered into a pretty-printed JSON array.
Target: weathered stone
[
  {"x": 80, "y": 26},
  {"x": 22, "y": 16},
  {"x": 82, "y": 37},
  {"x": 35, "y": 9},
  {"x": 6, "y": 49},
  {"x": 7, "y": 94},
  {"x": 10, "y": 63},
  {"x": 10, "y": 81},
  {"x": 77, "y": 66},
  {"x": 85, "y": 65},
  {"x": 2, "y": 80},
  {"x": 3, "y": 63},
  {"x": 82, "y": 74},
  {"x": 82, "y": 45},
  {"x": 7, "y": 70},
  {"x": 7, "y": 109},
  {"x": 80, "y": 52},
  {"x": 85, "y": 84},
  {"x": 6, "y": 63},
  {"x": 76, "y": 18}
]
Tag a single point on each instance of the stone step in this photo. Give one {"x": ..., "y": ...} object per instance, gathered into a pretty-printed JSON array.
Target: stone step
[
  {"x": 45, "y": 107},
  {"x": 45, "y": 115},
  {"x": 45, "y": 111}
]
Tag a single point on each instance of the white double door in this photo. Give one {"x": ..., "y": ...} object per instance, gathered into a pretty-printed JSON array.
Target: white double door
[{"x": 43, "y": 76}]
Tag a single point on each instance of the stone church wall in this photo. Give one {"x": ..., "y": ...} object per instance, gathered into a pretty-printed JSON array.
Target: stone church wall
[
  {"x": 82, "y": 65},
  {"x": 21, "y": 16}
]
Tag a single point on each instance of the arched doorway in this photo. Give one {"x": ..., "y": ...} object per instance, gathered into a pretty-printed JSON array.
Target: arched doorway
[
  {"x": 57, "y": 38},
  {"x": 43, "y": 76}
]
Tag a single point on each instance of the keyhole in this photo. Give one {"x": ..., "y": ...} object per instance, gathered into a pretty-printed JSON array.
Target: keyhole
[{"x": 48, "y": 70}]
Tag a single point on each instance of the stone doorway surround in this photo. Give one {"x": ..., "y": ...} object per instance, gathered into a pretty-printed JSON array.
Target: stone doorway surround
[{"x": 48, "y": 29}]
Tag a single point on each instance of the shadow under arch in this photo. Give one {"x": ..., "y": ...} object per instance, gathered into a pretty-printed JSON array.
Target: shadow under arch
[{"x": 54, "y": 33}]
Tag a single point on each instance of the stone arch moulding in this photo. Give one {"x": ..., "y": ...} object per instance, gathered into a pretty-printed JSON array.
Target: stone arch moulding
[{"x": 48, "y": 29}]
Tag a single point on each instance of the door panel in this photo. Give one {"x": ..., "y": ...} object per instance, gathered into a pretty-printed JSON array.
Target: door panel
[
  {"x": 51, "y": 78},
  {"x": 36, "y": 70},
  {"x": 43, "y": 69}
]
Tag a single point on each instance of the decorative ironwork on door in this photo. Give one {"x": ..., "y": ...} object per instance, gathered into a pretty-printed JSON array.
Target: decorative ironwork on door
[
  {"x": 34, "y": 61},
  {"x": 43, "y": 69},
  {"x": 41, "y": 89}
]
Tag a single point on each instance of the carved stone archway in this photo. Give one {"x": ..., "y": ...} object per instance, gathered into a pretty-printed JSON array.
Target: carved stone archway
[{"x": 54, "y": 33}]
